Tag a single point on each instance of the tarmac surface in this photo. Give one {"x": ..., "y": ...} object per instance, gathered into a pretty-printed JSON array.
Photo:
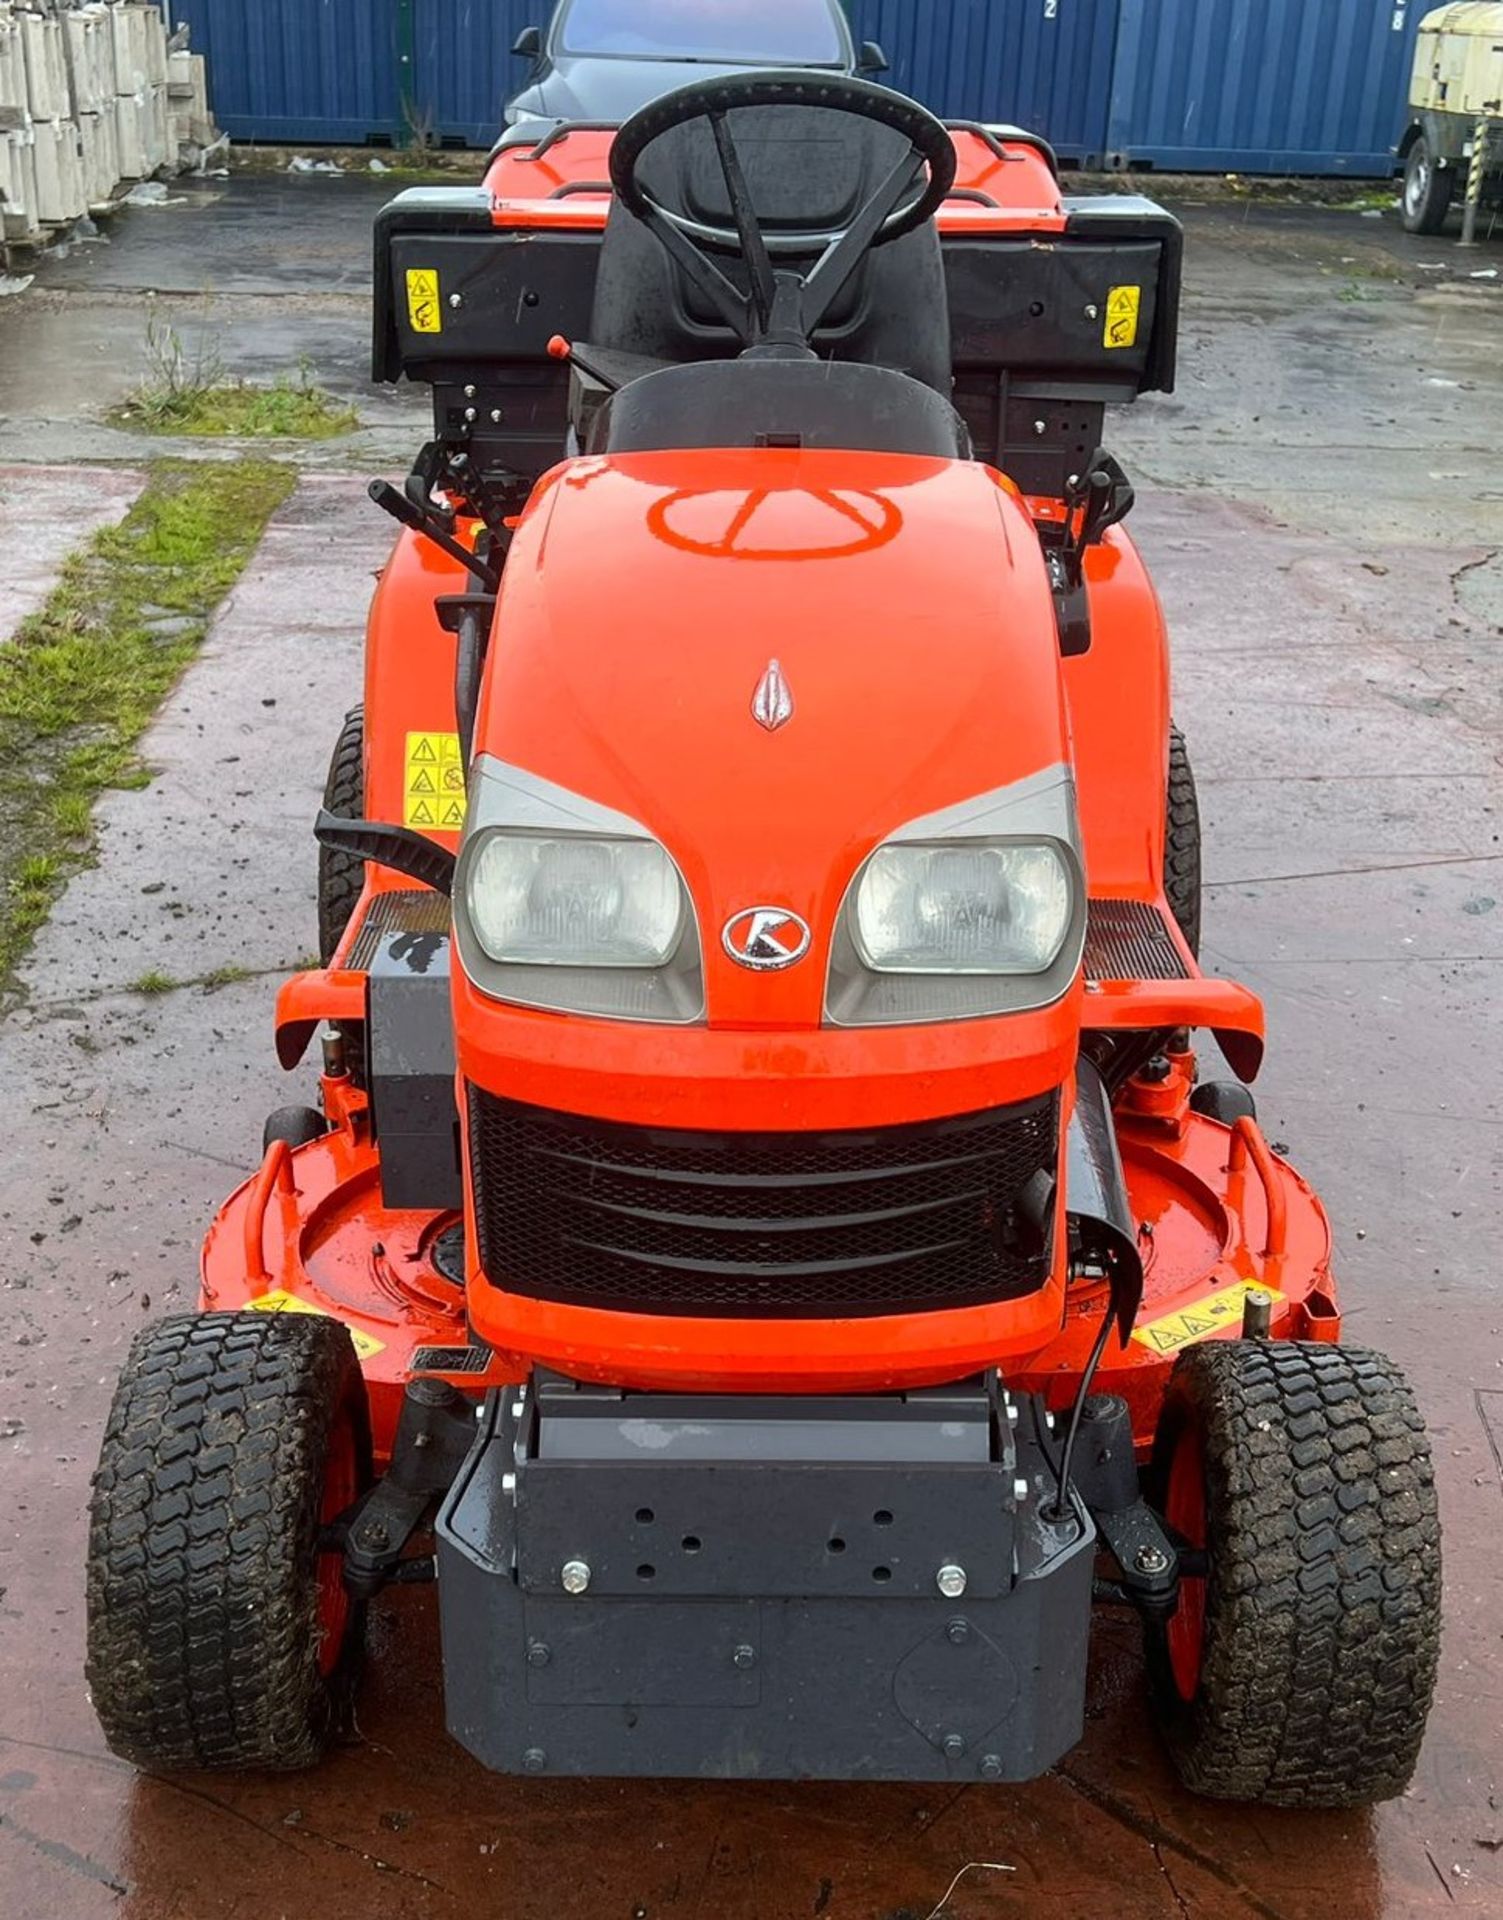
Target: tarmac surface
[{"x": 1322, "y": 508}]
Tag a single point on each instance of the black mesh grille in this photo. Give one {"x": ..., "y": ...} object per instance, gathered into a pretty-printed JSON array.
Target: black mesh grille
[
  {"x": 1127, "y": 940},
  {"x": 401, "y": 911},
  {"x": 656, "y": 1220}
]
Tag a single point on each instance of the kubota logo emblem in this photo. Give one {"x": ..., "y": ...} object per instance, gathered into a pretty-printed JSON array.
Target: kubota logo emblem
[{"x": 766, "y": 938}]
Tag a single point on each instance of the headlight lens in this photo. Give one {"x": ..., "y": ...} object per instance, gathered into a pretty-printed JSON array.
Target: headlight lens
[
  {"x": 963, "y": 907},
  {"x": 571, "y": 901}
]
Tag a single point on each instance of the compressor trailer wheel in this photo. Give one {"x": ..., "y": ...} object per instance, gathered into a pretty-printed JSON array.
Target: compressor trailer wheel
[
  {"x": 219, "y": 1633},
  {"x": 1299, "y": 1665}
]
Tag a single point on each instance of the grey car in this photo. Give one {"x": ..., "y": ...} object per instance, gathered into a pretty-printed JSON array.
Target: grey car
[{"x": 602, "y": 59}]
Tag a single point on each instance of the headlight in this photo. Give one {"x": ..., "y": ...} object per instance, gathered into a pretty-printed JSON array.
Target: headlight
[
  {"x": 539, "y": 900},
  {"x": 977, "y": 910},
  {"x": 963, "y": 907}
]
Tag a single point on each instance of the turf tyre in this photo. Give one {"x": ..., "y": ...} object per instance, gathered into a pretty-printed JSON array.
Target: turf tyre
[
  {"x": 341, "y": 876},
  {"x": 1182, "y": 842},
  {"x": 1320, "y": 1628},
  {"x": 231, "y": 1440}
]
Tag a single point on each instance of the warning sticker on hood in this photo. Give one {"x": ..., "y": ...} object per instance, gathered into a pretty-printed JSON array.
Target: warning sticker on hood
[
  {"x": 433, "y": 787},
  {"x": 1186, "y": 1325}
]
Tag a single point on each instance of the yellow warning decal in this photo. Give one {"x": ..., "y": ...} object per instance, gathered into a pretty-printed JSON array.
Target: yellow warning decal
[
  {"x": 1122, "y": 305},
  {"x": 434, "y": 787},
  {"x": 279, "y": 1300},
  {"x": 424, "y": 310},
  {"x": 1189, "y": 1324}
]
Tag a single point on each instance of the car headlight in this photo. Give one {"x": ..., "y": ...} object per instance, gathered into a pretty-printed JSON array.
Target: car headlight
[
  {"x": 567, "y": 901},
  {"x": 966, "y": 907}
]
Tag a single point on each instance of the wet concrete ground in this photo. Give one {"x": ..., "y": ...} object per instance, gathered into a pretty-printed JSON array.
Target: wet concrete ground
[
  {"x": 1325, "y": 528},
  {"x": 58, "y": 510}
]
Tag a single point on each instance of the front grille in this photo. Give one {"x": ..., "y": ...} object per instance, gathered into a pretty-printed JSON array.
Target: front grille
[
  {"x": 399, "y": 911},
  {"x": 950, "y": 1213},
  {"x": 1127, "y": 940}
]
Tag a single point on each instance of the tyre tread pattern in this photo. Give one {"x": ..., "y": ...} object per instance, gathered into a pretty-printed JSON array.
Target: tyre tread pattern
[
  {"x": 341, "y": 875},
  {"x": 1182, "y": 843},
  {"x": 202, "y": 1592},
  {"x": 1323, "y": 1602}
]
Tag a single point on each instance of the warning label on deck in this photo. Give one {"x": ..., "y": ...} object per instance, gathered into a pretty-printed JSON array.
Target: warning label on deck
[
  {"x": 279, "y": 1300},
  {"x": 433, "y": 789},
  {"x": 425, "y": 313},
  {"x": 1122, "y": 305},
  {"x": 1188, "y": 1324}
]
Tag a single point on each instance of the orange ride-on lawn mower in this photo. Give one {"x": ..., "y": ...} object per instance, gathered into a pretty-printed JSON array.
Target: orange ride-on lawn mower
[{"x": 765, "y": 1249}]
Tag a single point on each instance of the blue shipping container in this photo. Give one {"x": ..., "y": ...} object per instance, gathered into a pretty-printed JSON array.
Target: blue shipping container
[
  {"x": 299, "y": 70},
  {"x": 1041, "y": 64},
  {"x": 1262, "y": 86},
  {"x": 466, "y": 71},
  {"x": 1268, "y": 86}
]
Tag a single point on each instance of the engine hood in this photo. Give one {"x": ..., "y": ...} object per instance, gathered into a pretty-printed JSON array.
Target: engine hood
[{"x": 905, "y": 605}]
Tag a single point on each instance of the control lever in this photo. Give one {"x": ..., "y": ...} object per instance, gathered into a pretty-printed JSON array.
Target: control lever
[
  {"x": 392, "y": 500},
  {"x": 561, "y": 349},
  {"x": 1105, "y": 496}
]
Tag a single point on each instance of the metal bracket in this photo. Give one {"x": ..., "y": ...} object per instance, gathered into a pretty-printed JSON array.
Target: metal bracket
[
  {"x": 434, "y": 1434},
  {"x": 1106, "y": 1478}
]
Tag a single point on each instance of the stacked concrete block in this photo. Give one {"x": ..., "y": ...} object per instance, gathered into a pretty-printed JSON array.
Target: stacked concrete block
[
  {"x": 89, "y": 99},
  {"x": 14, "y": 112},
  {"x": 91, "y": 57},
  {"x": 19, "y": 222},
  {"x": 99, "y": 154},
  {"x": 142, "y": 119},
  {"x": 188, "y": 101},
  {"x": 60, "y": 189},
  {"x": 45, "y": 52}
]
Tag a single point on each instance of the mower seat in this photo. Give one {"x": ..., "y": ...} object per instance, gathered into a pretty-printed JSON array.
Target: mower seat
[
  {"x": 806, "y": 169},
  {"x": 780, "y": 403}
]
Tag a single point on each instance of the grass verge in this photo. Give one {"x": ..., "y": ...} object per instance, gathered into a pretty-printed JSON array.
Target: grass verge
[
  {"x": 235, "y": 409},
  {"x": 83, "y": 676}
]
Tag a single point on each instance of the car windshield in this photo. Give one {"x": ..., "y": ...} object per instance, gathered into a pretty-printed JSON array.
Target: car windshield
[{"x": 801, "y": 33}]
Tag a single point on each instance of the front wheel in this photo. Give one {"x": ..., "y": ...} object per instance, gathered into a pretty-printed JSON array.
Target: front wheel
[
  {"x": 219, "y": 1632},
  {"x": 1298, "y": 1669},
  {"x": 1428, "y": 187}
]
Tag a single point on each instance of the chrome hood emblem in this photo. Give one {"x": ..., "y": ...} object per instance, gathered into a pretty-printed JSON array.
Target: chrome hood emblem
[
  {"x": 766, "y": 938},
  {"x": 772, "y": 703}
]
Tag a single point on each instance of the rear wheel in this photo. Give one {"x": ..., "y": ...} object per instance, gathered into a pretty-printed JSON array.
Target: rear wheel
[
  {"x": 1427, "y": 190},
  {"x": 219, "y": 1636},
  {"x": 1298, "y": 1671},
  {"x": 1182, "y": 843},
  {"x": 341, "y": 876}
]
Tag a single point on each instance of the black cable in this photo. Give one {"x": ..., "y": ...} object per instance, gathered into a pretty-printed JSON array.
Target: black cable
[{"x": 1083, "y": 1393}]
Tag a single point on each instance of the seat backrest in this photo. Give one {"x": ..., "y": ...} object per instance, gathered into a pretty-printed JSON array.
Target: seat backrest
[{"x": 807, "y": 169}]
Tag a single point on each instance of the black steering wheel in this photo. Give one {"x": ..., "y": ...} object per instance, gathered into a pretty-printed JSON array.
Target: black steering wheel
[{"x": 783, "y": 307}]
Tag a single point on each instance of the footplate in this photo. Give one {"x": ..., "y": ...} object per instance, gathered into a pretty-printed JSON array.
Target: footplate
[{"x": 869, "y": 1587}]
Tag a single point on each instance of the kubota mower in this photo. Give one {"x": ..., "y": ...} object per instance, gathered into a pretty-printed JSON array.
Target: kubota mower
[{"x": 765, "y": 1248}]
